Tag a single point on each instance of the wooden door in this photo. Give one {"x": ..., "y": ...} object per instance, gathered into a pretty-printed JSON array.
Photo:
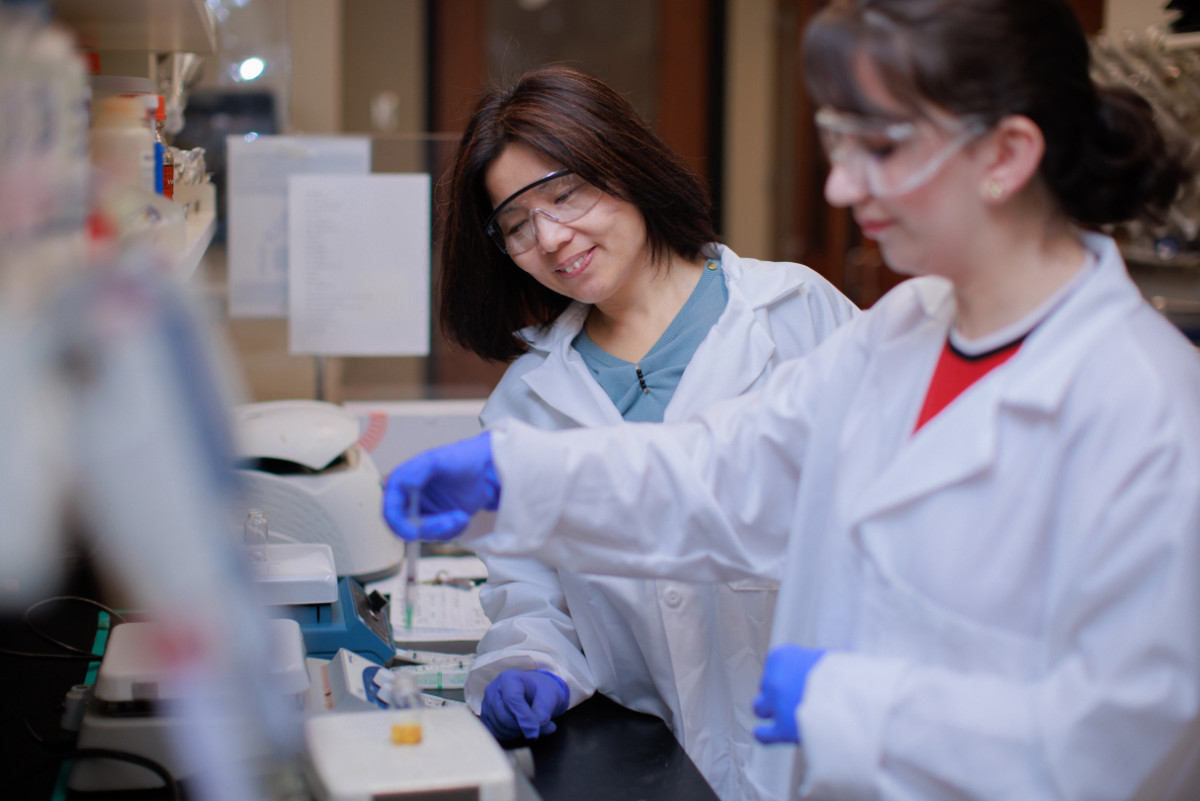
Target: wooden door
[{"x": 680, "y": 94}]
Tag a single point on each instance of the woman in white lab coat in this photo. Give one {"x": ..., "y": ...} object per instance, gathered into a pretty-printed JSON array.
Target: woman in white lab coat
[
  {"x": 991, "y": 587},
  {"x": 627, "y": 310}
]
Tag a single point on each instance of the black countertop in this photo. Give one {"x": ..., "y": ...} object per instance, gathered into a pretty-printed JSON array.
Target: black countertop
[{"x": 605, "y": 752}]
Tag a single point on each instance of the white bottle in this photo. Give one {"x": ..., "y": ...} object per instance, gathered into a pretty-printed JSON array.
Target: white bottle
[{"x": 122, "y": 144}]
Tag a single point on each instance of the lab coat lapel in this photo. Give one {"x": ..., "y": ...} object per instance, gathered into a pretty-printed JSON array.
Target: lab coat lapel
[
  {"x": 563, "y": 380},
  {"x": 734, "y": 355},
  {"x": 738, "y": 349},
  {"x": 898, "y": 466},
  {"x": 731, "y": 358},
  {"x": 957, "y": 444},
  {"x": 963, "y": 439}
]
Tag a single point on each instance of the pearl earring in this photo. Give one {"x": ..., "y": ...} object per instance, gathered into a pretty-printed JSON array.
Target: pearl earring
[{"x": 994, "y": 188}]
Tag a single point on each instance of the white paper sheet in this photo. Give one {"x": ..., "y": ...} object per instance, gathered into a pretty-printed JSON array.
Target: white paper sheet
[
  {"x": 444, "y": 612},
  {"x": 358, "y": 264},
  {"x": 258, "y": 171}
]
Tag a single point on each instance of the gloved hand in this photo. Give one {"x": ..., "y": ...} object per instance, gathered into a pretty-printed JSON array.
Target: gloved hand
[
  {"x": 451, "y": 483},
  {"x": 785, "y": 673},
  {"x": 522, "y": 703}
]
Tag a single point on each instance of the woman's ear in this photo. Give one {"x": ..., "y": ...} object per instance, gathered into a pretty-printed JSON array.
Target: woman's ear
[{"x": 1017, "y": 146}]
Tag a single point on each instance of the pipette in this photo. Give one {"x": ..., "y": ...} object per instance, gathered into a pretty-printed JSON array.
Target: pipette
[{"x": 412, "y": 554}]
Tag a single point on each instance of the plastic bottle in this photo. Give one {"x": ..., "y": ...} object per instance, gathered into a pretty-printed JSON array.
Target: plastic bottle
[
  {"x": 162, "y": 152},
  {"x": 44, "y": 175},
  {"x": 121, "y": 142}
]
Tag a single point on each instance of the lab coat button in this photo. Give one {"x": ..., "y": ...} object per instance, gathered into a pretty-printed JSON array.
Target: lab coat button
[{"x": 673, "y": 598}]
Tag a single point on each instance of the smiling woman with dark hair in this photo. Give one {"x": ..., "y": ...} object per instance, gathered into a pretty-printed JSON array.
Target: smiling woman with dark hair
[
  {"x": 575, "y": 122},
  {"x": 577, "y": 240}
]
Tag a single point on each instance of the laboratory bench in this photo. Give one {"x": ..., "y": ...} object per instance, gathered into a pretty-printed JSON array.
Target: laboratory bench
[
  {"x": 605, "y": 752},
  {"x": 600, "y": 751}
]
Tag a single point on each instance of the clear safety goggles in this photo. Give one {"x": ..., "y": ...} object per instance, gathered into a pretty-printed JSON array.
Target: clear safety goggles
[
  {"x": 889, "y": 158},
  {"x": 561, "y": 196}
]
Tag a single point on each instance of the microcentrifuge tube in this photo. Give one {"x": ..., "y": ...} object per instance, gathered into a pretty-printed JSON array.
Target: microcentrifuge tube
[{"x": 406, "y": 703}]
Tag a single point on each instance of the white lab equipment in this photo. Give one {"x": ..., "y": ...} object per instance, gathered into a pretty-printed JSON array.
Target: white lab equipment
[
  {"x": 300, "y": 462},
  {"x": 290, "y": 574},
  {"x": 343, "y": 684},
  {"x": 298, "y": 581},
  {"x": 356, "y": 756},
  {"x": 131, "y": 708},
  {"x": 351, "y": 682}
]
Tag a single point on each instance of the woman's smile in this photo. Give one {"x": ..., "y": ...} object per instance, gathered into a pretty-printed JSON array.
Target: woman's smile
[{"x": 576, "y": 264}]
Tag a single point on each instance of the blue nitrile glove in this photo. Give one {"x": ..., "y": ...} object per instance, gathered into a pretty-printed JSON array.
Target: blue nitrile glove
[
  {"x": 451, "y": 483},
  {"x": 523, "y": 703},
  {"x": 784, "y": 675}
]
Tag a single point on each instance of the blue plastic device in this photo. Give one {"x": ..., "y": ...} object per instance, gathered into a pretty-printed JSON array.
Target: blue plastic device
[{"x": 356, "y": 621}]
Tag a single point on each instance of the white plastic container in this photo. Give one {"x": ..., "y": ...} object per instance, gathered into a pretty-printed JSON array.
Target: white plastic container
[{"x": 121, "y": 142}]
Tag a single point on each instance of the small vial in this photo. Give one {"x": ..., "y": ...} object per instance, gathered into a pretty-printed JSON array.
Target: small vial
[
  {"x": 255, "y": 533},
  {"x": 162, "y": 152},
  {"x": 406, "y": 704}
]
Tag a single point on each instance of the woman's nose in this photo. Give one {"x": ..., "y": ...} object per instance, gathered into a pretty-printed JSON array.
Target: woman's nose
[
  {"x": 551, "y": 234},
  {"x": 843, "y": 187}
]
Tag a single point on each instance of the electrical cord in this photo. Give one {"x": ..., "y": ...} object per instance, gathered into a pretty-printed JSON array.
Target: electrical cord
[
  {"x": 73, "y": 653},
  {"x": 157, "y": 769},
  {"x": 68, "y": 657},
  {"x": 65, "y": 752},
  {"x": 78, "y": 599}
]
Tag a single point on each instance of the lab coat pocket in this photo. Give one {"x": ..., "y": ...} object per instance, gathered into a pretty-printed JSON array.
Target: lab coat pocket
[
  {"x": 754, "y": 585},
  {"x": 898, "y": 620},
  {"x": 749, "y": 601}
]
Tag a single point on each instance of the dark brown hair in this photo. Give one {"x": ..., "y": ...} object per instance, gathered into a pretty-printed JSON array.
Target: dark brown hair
[
  {"x": 585, "y": 125},
  {"x": 1105, "y": 160}
]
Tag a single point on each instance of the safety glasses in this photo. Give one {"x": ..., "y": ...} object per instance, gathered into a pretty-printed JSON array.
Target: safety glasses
[
  {"x": 890, "y": 158},
  {"x": 561, "y": 196}
]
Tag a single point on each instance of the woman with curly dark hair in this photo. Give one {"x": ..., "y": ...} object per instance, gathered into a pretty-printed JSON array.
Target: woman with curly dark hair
[{"x": 982, "y": 495}]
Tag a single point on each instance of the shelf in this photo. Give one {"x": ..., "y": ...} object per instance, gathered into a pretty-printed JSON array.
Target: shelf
[
  {"x": 1141, "y": 256},
  {"x": 200, "y": 227},
  {"x": 159, "y": 26},
  {"x": 198, "y": 235}
]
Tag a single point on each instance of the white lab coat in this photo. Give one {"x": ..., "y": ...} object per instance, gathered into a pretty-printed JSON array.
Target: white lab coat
[
  {"x": 689, "y": 653},
  {"x": 1011, "y": 596}
]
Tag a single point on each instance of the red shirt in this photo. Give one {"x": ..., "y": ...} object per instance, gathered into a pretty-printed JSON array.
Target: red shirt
[{"x": 955, "y": 372}]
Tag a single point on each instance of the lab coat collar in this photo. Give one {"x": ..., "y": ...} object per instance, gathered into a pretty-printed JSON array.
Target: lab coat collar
[
  {"x": 963, "y": 440},
  {"x": 774, "y": 280},
  {"x": 739, "y": 347},
  {"x": 734, "y": 354},
  {"x": 562, "y": 380},
  {"x": 1104, "y": 297}
]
